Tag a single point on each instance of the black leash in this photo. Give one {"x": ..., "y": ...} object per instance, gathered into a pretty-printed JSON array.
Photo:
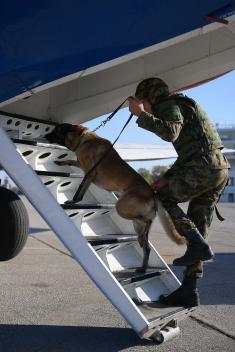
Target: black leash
[
  {"x": 107, "y": 151},
  {"x": 103, "y": 123}
]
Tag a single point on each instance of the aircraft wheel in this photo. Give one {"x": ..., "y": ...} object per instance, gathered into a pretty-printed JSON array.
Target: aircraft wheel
[{"x": 14, "y": 224}]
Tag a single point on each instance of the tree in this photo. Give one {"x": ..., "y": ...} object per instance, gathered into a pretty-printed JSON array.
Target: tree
[
  {"x": 158, "y": 171},
  {"x": 146, "y": 175}
]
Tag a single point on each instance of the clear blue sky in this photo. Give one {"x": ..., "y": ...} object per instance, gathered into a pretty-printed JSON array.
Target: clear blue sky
[{"x": 217, "y": 98}]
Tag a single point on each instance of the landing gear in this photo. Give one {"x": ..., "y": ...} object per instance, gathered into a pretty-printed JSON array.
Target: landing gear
[{"x": 14, "y": 224}]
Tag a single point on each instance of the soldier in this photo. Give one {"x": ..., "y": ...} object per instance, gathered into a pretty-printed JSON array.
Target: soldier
[{"x": 199, "y": 174}]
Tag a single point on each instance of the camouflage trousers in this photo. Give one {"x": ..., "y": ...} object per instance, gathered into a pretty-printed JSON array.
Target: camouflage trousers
[{"x": 200, "y": 186}]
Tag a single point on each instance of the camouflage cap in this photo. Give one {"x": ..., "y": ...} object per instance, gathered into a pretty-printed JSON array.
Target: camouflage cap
[{"x": 151, "y": 88}]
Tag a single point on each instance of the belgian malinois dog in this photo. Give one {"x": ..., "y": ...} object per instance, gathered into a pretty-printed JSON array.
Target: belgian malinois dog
[{"x": 137, "y": 200}]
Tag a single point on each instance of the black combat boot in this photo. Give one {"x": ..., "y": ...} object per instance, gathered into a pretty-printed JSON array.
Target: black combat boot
[
  {"x": 197, "y": 249},
  {"x": 185, "y": 296}
]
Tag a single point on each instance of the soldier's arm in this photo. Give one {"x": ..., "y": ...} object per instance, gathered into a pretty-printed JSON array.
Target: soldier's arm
[{"x": 167, "y": 123}]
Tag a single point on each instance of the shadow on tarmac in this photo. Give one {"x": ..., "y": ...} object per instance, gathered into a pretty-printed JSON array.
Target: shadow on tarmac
[
  {"x": 47, "y": 338},
  {"x": 217, "y": 288}
]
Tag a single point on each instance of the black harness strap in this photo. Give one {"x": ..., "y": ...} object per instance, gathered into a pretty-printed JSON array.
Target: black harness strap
[
  {"x": 219, "y": 216},
  {"x": 105, "y": 154}
]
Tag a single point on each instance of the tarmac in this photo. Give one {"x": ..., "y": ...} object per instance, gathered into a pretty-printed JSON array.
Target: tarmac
[{"x": 48, "y": 303}]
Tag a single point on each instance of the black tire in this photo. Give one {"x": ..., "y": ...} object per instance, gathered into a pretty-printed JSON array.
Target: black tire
[{"x": 14, "y": 224}]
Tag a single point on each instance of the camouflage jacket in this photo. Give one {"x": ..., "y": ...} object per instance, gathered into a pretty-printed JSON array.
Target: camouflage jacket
[{"x": 180, "y": 120}]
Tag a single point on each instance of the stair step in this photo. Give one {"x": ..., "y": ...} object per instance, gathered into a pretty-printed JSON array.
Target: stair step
[
  {"x": 155, "y": 311},
  {"x": 27, "y": 118},
  {"x": 129, "y": 276},
  {"x": 38, "y": 144},
  {"x": 88, "y": 206},
  {"x": 58, "y": 174},
  {"x": 110, "y": 239}
]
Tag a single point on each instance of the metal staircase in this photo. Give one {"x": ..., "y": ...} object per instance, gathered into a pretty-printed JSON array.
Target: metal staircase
[{"x": 104, "y": 244}]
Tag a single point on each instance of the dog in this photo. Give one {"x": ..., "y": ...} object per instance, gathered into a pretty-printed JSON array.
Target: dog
[{"x": 137, "y": 201}]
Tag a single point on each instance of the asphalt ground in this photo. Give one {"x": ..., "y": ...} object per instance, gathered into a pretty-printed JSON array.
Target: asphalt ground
[{"x": 48, "y": 304}]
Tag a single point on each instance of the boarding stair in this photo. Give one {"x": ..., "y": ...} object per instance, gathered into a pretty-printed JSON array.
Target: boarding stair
[{"x": 100, "y": 240}]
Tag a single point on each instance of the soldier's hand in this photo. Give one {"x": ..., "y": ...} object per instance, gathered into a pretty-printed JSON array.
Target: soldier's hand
[
  {"x": 135, "y": 106},
  {"x": 159, "y": 184}
]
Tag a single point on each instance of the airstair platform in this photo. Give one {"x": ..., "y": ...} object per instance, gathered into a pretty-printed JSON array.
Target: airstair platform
[{"x": 102, "y": 242}]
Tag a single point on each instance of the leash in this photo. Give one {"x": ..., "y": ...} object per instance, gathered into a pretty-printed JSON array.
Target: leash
[
  {"x": 103, "y": 123},
  {"x": 107, "y": 151}
]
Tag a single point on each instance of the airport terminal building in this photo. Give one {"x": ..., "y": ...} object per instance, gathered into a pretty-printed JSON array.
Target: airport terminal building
[{"x": 227, "y": 134}]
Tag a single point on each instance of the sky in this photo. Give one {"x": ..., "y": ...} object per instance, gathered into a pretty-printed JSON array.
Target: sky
[{"x": 216, "y": 97}]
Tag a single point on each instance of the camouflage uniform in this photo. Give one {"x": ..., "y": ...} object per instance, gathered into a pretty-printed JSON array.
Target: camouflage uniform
[{"x": 200, "y": 172}]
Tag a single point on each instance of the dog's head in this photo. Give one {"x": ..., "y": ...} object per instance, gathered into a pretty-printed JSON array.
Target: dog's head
[{"x": 65, "y": 134}]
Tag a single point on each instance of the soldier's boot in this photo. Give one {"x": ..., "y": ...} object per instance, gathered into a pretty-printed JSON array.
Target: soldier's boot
[
  {"x": 185, "y": 296},
  {"x": 197, "y": 249}
]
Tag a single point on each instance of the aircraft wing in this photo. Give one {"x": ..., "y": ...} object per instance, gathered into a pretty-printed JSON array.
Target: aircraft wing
[
  {"x": 73, "y": 61},
  {"x": 145, "y": 152},
  {"x": 141, "y": 152}
]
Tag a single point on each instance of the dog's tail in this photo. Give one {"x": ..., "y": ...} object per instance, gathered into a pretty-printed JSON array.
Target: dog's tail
[{"x": 168, "y": 225}]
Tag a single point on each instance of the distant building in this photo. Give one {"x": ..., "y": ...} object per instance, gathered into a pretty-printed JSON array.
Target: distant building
[{"x": 227, "y": 134}]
